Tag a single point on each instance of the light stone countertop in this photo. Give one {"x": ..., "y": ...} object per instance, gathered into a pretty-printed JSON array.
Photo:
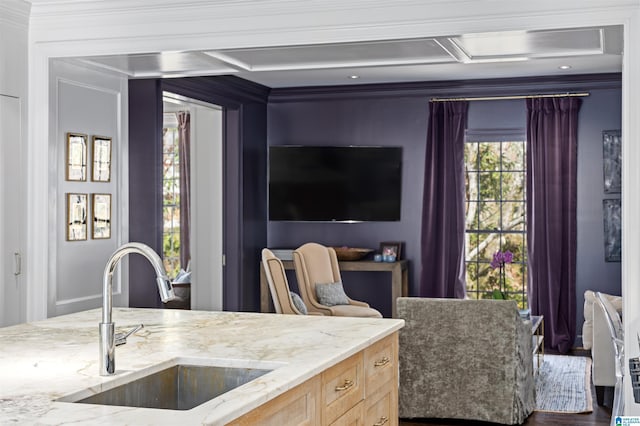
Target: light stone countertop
[{"x": 46, "y": 360}]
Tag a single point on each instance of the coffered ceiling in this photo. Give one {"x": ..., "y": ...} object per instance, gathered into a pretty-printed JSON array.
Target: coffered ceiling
[{"x": 463, "y": 56}]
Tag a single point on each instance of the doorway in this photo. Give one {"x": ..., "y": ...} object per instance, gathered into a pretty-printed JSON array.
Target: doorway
[{"x": 205, "y": 262}]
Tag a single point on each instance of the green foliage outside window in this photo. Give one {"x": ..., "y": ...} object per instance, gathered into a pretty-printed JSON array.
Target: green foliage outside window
[
  {"x": 495, "y": 180},
  {"x": 171, "y": 202}
]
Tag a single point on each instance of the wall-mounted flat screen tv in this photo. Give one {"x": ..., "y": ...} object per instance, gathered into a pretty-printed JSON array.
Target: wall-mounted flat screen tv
[{"x": 335, "y": 183}]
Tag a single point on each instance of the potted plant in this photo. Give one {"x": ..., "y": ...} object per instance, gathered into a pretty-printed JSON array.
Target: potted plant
[{"x": 500, "y": 259}]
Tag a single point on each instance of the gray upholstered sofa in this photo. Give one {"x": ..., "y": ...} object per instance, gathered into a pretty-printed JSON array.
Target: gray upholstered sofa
[{"x": 465, "y": 359}]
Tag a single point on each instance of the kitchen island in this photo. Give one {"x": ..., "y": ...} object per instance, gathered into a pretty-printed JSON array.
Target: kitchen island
[{"x": 44, "y": 361}]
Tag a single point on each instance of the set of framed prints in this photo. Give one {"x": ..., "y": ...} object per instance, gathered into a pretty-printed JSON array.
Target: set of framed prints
[
  {"x": 78, "y": 213},
  {"x": 76, "y": 159},
  {"x": 83, "y": 208}
]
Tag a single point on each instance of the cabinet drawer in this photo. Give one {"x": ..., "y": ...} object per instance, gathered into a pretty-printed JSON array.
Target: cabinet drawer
[
  {"x": 381, "y": 407},
  {"x": 301, "y": 406},
  {"x": 342, "y": 387},
  {"x": 381, "y": 363},
  {"x": 353, "y": 417}
]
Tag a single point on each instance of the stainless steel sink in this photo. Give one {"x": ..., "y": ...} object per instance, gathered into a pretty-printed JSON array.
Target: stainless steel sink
[{"x": 178, "y": 387}]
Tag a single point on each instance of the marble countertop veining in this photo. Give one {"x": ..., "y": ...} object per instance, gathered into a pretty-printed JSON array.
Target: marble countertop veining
[{"x": 43, "y": 361}]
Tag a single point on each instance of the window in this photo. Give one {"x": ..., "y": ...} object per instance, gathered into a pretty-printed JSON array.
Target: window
[
  {"x": 495, "y": 179},
  {"x": 171, "y": 200}
]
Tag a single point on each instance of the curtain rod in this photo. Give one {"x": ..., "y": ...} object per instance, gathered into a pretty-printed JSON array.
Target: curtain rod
[{"x": 495, "y": 98}]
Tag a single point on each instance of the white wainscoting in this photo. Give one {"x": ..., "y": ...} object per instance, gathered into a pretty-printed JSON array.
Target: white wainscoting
[{"x": 92, "y": 103}]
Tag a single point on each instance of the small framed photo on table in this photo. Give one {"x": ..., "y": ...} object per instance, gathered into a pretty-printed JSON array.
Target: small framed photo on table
[{"x": 391, "y": 248}]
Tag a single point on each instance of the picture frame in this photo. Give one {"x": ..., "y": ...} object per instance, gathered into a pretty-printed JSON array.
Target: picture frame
[
  {"x": 612, "y": 217},
  {"x": 101, "y": 217},
  {"x": 612, "y": 161},
  {"x": 76, "y": 157},
  {"x": 391, "y": 248},
  {"x": 101, "y": 154},
  {"x": 76, "y": 217}
]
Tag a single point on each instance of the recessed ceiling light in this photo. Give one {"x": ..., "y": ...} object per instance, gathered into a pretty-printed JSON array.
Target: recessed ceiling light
[
  {"x": 565, "y": 67},
  {"x": 353, "y": 77}
]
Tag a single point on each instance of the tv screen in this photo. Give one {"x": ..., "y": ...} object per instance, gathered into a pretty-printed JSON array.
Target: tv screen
[{"x": 334, "y": 183}]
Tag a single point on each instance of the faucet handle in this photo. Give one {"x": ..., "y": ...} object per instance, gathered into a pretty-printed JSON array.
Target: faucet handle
[{"x": 121, "y": 338}]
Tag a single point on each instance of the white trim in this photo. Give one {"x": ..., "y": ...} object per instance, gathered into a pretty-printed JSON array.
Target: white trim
[
  {"x": 631, "y": 199},
  {"x": 113, "y": 30},
  {"x": 15, "y": 13},
  {"x": 75, "y": 300},
  {"x": 38, "y": 183}
]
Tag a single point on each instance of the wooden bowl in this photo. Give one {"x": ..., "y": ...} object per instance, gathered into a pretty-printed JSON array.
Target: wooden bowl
[{"x": 351, "y": 253}]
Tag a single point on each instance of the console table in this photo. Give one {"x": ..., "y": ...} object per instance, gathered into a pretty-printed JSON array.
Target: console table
[
  {"x": 399, "y": 279},
  {"x": 537, "y": 333}
]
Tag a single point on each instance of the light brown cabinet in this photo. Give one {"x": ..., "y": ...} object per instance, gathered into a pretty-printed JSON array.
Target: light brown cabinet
[
  {"x": 381, "y": 407},
  {"x": 299, "y": 406},
  {"x": 353, "y": 417},
  {"x": 381, "y": 382},
  {"x": 342, "y": 388},
  {"x": 361, "y": 390}
]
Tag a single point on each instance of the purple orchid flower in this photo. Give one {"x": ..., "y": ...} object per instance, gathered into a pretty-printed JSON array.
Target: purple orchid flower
[
  {"x": 507, "y": 257},
  {"x": 500, "y": 258}
]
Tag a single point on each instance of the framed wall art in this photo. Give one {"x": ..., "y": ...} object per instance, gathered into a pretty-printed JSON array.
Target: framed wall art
[
  {"x": 76, "y": 167},
  {"x": 76, "y": 217},
  {"x": 101, "y": 222},
  {"x": 612, "y": 215},
  {"x": 101, "y": 170},
  {"x": 612, "y": 161}
]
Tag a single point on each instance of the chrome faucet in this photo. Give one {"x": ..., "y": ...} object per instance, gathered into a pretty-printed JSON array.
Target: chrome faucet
[{"x": 107, "y": 327}]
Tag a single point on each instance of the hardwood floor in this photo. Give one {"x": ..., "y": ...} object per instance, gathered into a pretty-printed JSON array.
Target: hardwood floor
[{"x": 599, "y": 416}]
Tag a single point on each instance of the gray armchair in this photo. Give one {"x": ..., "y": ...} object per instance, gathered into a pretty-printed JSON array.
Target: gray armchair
[{"x": 465, "y": 359}]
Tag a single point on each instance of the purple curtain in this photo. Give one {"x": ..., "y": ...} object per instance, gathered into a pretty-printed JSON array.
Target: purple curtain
[
  {"x": 184, "y": 150},
  {"x": 443, "y": 210},
  {"x": 552, "y": 128}
]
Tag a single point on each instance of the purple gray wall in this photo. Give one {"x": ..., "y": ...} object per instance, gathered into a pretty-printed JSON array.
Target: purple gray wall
[
  {"x": 145, "y": 178},
  {"x": 397, "y": 115},
  {"x": 600, "y": 111}
]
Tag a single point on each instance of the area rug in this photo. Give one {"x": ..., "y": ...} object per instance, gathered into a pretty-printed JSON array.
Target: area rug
[{"x": 563, "y": 384}]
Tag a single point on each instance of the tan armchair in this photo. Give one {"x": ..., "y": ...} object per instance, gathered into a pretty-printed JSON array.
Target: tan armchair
[
  {"x": 316, "y": 265},
  {"x": 278, "y": 285}
]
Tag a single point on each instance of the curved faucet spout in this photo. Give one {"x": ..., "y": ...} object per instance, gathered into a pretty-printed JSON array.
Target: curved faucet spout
[{"x": 107, "y": 327}]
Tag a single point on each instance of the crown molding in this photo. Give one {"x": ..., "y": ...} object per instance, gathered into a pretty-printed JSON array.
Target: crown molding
[
  {"x": 15, "y": 12},
  {"x": 238, "y": 23},
  {"x": 87, "y": 7},
  {"x": 229, "y": 89},
  {"x": 452, "y": 88}
]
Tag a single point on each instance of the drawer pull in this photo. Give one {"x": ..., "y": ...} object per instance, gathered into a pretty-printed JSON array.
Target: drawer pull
[
  {"x": 383, "y": 361},
  {"x": 346, "y": 385},
  {"x": 382, "y": 421}
]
